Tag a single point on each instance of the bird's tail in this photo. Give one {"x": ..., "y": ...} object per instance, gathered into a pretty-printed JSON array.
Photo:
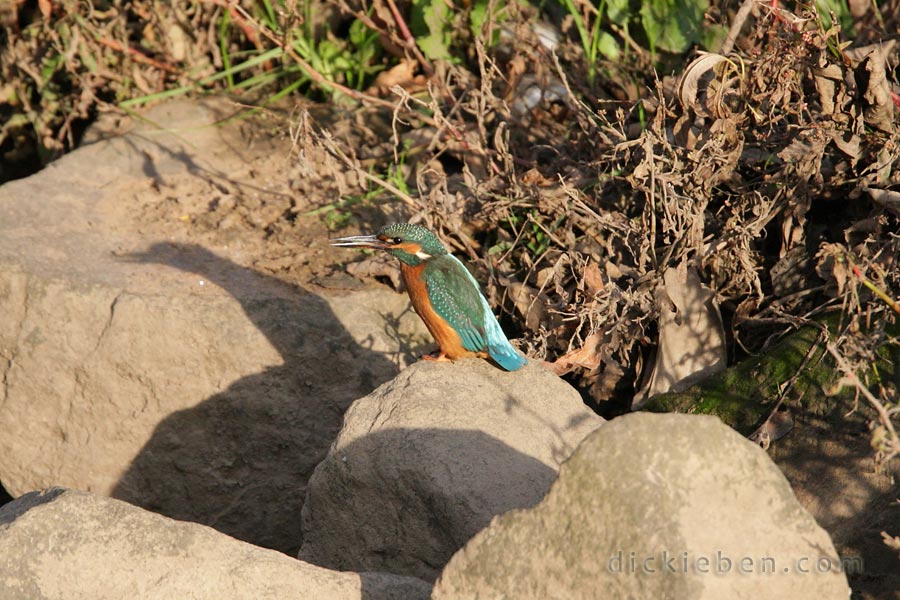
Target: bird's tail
[
  {"x": 506, "y": 356},
  {"x": 498, "y": 346}
]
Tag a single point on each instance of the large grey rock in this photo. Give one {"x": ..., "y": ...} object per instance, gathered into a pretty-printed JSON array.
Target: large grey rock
[
  {"x": 426, "y": 460},
  {"x": 161, "y": 371},
  {"x": 655, "y": 506},
  {"x": 63, "y": 544}
]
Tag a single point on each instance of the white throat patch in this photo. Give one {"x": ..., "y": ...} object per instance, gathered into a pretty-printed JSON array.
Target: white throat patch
[{"x": 422, "y": 255}]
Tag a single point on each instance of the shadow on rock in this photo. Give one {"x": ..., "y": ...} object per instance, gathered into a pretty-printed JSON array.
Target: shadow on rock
[
  {"x": 240, "y": 460},
  {"x": 404, "y": 500},
  {"x": 428, "y": 459}
]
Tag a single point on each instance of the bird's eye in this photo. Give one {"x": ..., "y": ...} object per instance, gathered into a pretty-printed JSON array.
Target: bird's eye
[{"x": 397, "y": 241}]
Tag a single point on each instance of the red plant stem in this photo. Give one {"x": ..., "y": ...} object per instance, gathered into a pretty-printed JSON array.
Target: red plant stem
[
  {"x": 137, "y": 55},
  {"x": 409, "y": 40}
]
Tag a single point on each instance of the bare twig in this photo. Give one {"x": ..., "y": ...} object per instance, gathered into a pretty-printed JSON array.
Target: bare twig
[
  {"x": 739, "y": 19},
  {"x": 892, "y": 444},
  {"x": 137, "y": 55},
  {"x": 336, "y": 151}
]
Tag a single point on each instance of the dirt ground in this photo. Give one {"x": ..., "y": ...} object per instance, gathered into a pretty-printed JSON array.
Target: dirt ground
[
  {"x": 257, "y": 210},
  {"x": 830, "y": 467}
]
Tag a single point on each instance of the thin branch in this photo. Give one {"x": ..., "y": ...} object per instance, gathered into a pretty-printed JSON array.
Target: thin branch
[
  {"x": 136, "y": 55},
  {"x": 884, "y": 416},
  {"x": 332, "y": 147},
  {"x": 739, "y": 19}
]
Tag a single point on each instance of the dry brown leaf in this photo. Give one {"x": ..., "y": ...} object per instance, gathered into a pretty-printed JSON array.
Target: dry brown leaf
[
  {"x": 535, "y": 177},
  {"x": 689, "y": 86},
  {"x": 872, "y": 79},
  {"x": 856, "y": 55},
  {"x": 403, "y": 74},
  {"x": 775, "y": 427},
  {"x": 829, "y": 83},
  {"x": 46, "y": 8},
  {"x": 831, "y": 265},
  {"x": 613, "y": 272},
  {"x": 593, "y": 279},
  {"x": 691, "y": 335},
  {"x": 528, "y": 302},
  {"x": 847, "y": 142},
  {"x": 858, "y": 8},
  {"x": 807, "y": 147},
  {"x": 886, "y": 198},
  {"x": 602, "y": 382},
  {"x": 586, "y": 357},
  {"x": 890, "y": 541}
]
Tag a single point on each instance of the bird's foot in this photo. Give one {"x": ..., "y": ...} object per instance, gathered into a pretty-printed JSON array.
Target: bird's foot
[{"x": 436, "y": 357}]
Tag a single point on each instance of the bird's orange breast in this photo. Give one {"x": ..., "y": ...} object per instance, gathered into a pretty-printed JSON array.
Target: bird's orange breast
[{"x": 444, "y": 334}]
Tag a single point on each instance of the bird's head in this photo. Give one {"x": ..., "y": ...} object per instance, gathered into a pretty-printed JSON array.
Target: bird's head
[{"x": 412, "y": 244}]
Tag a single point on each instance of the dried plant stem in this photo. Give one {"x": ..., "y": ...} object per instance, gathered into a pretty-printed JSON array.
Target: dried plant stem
[
  {"x": 876, "y": 290},
  {"x": 739, "y": 19},
  {"x": 884, "y": 417},
  {"x": 137, "y": 55},
  {"x": 336, "y": 151}
]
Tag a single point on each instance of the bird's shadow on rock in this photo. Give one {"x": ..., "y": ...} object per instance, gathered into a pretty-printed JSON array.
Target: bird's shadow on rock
[{"x": 239, "y": 461}]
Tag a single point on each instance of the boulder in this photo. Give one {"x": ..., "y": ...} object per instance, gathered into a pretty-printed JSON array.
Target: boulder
[
  {"x": 61, "y": 544},
  {"x": 426, "y": 460},
  {"x": 160, "y": 369},
  {"x": 655, "y": 506}
]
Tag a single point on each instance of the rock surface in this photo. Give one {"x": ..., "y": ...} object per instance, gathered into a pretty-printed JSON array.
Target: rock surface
[
  {"x": 62, "y": 544},
  {"x": 643, "y": 485},
  {"x": 163, "y": 372},
  {"x": 426, "y": 460}
]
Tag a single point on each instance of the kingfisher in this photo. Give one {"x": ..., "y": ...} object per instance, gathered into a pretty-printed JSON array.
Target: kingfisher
[{"x": 443, "y": 293}]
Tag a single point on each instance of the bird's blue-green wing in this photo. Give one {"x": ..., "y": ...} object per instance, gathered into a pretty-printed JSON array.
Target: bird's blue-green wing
[{"x": 456, "y": 298}]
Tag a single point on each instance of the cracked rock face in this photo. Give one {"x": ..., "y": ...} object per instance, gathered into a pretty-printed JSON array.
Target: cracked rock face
[
  {"x": 63, "y": 544},
  {"x": 166, "y": 374},
  {"x": 428, "y": 459}
]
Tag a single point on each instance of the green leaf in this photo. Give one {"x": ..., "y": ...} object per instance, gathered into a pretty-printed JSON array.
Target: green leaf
[
  {"x": 84, "y": 53},
  {"x": 430, "y": 23},
  {"x": 478, "y": 16},
  {"x": 484, "y": 11},
  {"x": 619, "y": 11},
  {"x": 608, "y": 46},
  {"x": 712, "y": 37},
  {"x": 673, "y": 25},
  {"x": 840, "y": 10},
  {"x": 16, "y": 121}
]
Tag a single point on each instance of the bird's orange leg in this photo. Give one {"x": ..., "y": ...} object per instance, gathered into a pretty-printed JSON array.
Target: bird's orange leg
[{"x": 436, "y": 356}]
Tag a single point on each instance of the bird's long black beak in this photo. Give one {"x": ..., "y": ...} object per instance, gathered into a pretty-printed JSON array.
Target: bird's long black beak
[{"x": 359, "y": 241}]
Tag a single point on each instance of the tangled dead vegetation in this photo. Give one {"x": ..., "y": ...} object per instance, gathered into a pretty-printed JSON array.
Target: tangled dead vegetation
[
  {"x": 769, "y": 173},
  {"x": 61, "y": 63},
  {"x": 767, "y": 178}
]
